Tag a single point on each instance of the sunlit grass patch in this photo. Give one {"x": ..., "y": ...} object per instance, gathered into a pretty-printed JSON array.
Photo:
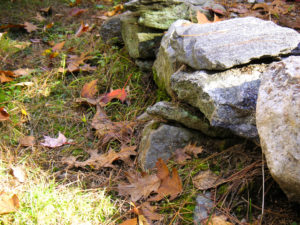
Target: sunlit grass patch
[{"x": 43, "y": 201}]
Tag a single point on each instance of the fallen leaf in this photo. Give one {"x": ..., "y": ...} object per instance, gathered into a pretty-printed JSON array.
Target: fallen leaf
[
  {"x": 98, "y": 161},
  {"x": 107, "y": 130},
  {"x": 46, "y": 11},
  {"x": 117, "y": 9},
  {"x": 29, "y": 84},
  {"x": 217, "y": 220},
  {"x": 83, "y": 28},
  {"x": 4, "y": 77},
  {"x": 130, "y": 222},
  {"x": 56, "y": 142},
  {"x": 170, "y": 185},
  {"x": 8, "y": 203},
  {"x": 30, "y": 27},
  {"x": 206, "y": 180},
  {"x": 22, "y": 45},
  {"x": 27, "y": 141},
  {"x": 192, "y": 149},
  {"x": 89, "y": 89},
  {"x": 180, "y": 156},
  {"x": 58, "y": 46},
  {"x": 12, "y": 26},
  {"x": 202, "y": 19},
  {"x": 75, "y": 61},
  {"x": 3, "y": 114},
  {"x": 48, "y": 26},
  {"x": 149, "y": 212},
  {"x": 22, "y": 72},
  {"x": 77, "y": 11},
  {"x": 120, "y": 94},
  {"x": 39, "y": 17},
  {"x": 19, "y": 173},
  {"x": 139, "y": 187}
]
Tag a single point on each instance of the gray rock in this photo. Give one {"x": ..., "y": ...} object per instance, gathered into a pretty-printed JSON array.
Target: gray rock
[
  {"x": 179, "y": 113},
  {"x": 160, "y": 140},
  {"x": 278, "y": 123},
  {"x": 227, "y": 99},
  {"x": 165, "y": 64},
  {"x": 225, "y": 44},
  {"x": 141, "y": 42},
  {"x": 204, "y": 205},
  {"x": 110, "y": 31}
]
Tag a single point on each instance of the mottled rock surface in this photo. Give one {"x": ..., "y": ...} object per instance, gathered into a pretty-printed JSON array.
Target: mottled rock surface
[
  {"x": 227, "y": 99},
  {"x": 162, "y": 141},
  {"x": 181, "y": 114},
  {"x": 278, "y": 123},
  {"x": 225, "y": 44},
  {"x": 110, "y": 31}
]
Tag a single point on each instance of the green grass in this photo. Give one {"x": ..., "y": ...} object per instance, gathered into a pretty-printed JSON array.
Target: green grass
[{"x": 44, "y": 201}]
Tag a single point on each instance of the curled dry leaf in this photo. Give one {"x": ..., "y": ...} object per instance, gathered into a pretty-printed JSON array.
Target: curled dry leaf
[
  {"x": 75, "y": 61},
  {"x": 117, "y": 9},
  {"x": 170, "y": 185},
  {"x": 22, "y": 72},
  {"x": 89, "y": 89},
  {"x": 98, "y": 161},
  {"x": 206, "y": 180},
  {"x": 202, "y": 19},
  {"x": 30, "y": 27},
  {"x": 27, "y": 141},
  {"x": 83, "y": 28},
  {"x": 3, "y": 114},
  {"x": 46, "y": 11},
  {"x": 8, "y": 203},
  {"x": 139, "y": 187},
  {"x": 19, "y": 173},
  {"x": 183, "y": 154},
  {"x": 56, "y": 142}
]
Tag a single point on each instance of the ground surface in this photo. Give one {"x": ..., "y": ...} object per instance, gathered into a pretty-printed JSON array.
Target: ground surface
[{"x": 43, "y": 102}]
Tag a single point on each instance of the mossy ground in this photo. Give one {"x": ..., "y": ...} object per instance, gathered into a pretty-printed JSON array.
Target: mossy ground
[{"x": 53, "y": 195}]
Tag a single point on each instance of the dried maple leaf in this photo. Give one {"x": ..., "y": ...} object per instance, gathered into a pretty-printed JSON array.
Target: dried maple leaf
[
  {"x": 89, "y": 89},
  {"x": 170, "y": 185},
  {"x": 108, "y": 130},
  {"x": 30, "y": 27},
  {"x": 56, "y": 142},
  {"x": 5, "y": 78},
  {"x": 75, "y": 61},
  {"x": 206, "y": 180},
  {"x": 27, "y": 141},
  {"x": 3, "y": 114},
  {"x": 8, "y": 203},
  {"x": 77, "y": 11},
  {"x": 180, "y": 156},
  {"x": 120, "y": 94},
  {"x": 183, "y": 154},
  {"x": 83, "y": 28},
  {"x": 98, "y": 161},
  {"x": 139, "y": 187}
]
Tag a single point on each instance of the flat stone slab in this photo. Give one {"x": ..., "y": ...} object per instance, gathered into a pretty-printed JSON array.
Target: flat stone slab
[
  {"x": 178, "y": 113},
  {"x": 227, "y": 99},
  {"x": 229, "y": 43}
]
